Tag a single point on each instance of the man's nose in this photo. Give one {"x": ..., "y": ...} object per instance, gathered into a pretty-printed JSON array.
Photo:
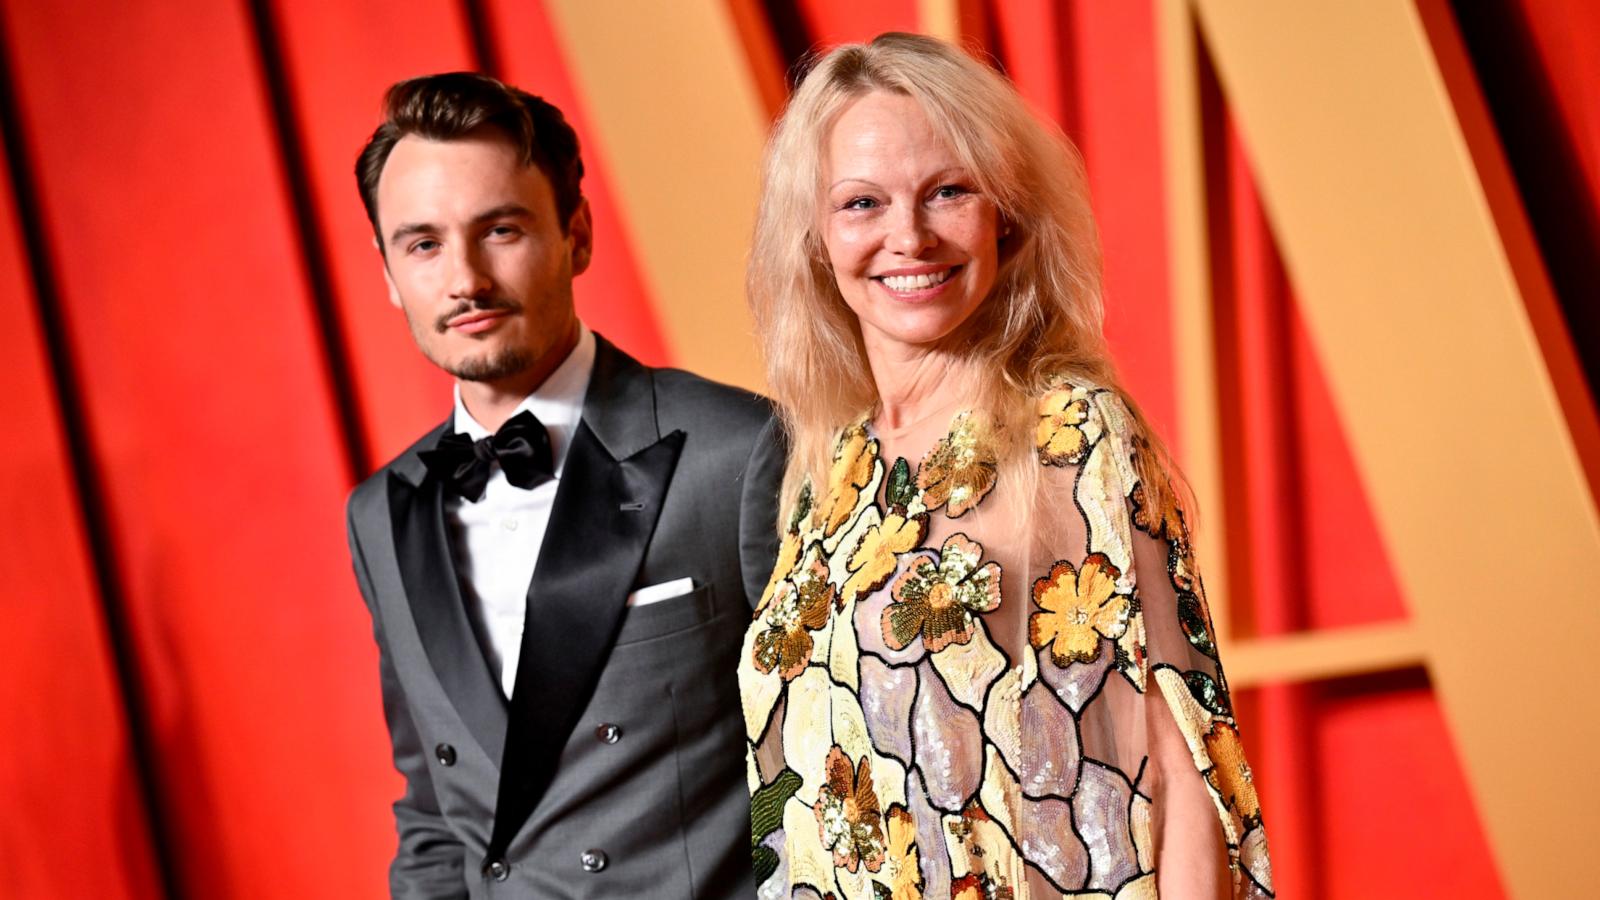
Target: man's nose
[
  {"x": 909, "y": 233},
  {"x": 469, "y": 276}
]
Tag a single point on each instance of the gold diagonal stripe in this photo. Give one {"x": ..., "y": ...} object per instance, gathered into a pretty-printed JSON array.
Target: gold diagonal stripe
[
  {"x": 1457, "y": 429},
  {"x": 1324, "y": 654},
  {"x": 1193, "y": 338},
  {"x": 681, "y": 122}
]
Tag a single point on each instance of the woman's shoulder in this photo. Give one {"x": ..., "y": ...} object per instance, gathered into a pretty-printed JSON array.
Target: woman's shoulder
[{"x": 1075, "y": 415}]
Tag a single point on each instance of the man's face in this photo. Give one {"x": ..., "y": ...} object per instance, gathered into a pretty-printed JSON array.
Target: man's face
[{"x": 475, "y": 254}]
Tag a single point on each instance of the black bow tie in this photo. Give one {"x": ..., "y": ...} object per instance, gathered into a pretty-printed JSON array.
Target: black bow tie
[{"x": 521, "y": 447}]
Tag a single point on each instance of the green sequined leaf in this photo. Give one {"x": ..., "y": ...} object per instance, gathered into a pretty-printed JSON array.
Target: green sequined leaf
[
  {"x": 802, "y": 507},
  {"x": 1210, "y": 694},
  {"x": 765, "y": 862},
  {"x": 1194, "y": 624},
  {"x": 766, "y": 805},
  {"x": 900, "y": 493}
]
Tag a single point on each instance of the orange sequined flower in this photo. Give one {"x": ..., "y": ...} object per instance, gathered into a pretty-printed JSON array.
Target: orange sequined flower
[
  {"x": 959, "y": 470},
  {"x": 1162, "y": 519},
  {"x": 1230, "y": 773},
  {"x": 905, "y": 869},
  {"x": 984, "y": 845},
  {"x": 788, "y": 557},
  {"x": 979, "y": 886},
  {"x": 1059, "y": 439},
  {"x": 853, "y": 462},
  {"x": 848, "y": 816},
  {"x": 1079, "y": 607},
  {"x": 937, "y": 598},
  {"x": 800, "y": 605},
  {"x": 876, "y": 554}
]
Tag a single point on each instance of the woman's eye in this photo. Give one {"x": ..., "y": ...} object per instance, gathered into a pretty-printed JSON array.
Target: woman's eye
[
  {"x": 950, "y": 191},
  {"x": 860, "y": 203}
]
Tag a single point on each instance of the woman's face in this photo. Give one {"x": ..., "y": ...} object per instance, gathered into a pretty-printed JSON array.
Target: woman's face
[{"x": 913, "y": 244}]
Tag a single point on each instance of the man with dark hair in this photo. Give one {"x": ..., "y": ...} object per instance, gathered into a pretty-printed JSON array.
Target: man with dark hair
[{"x": 560, "y": 574}]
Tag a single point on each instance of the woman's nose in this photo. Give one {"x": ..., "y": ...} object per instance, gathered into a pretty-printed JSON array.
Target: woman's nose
[{"x": 909, "y": 233}]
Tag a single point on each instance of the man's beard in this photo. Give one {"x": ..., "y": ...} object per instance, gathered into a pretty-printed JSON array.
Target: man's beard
[{"x": 492, "y": 366}]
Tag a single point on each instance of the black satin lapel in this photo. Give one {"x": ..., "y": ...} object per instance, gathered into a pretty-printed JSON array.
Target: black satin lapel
[
  {"x": 604, "y": 514},
  {"x": 429, "y": 575}
]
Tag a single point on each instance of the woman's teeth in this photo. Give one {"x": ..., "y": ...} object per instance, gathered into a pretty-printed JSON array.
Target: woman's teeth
[{"x": 915, "y": 282}]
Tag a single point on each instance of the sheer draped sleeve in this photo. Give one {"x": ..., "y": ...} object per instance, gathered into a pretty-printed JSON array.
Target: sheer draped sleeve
[{"x": 1206, "y": 832}]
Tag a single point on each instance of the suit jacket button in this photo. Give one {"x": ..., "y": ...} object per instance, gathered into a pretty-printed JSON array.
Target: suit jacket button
[
  {"x": 497, "y": 869},
  {"x": 594, "y": 860},
  {"x": 608, "y": 733},
  {"x": 446, "y": 754}
]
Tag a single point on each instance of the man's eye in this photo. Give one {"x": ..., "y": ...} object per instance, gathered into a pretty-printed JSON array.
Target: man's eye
[
  {"x": 424, "y": 246},
  {"x": 502, "y": 231}
]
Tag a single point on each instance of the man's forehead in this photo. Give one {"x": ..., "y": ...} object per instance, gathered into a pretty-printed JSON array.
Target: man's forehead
[
  {"x": 480, "y": 167},
  {"x": 476, "y": 151}
]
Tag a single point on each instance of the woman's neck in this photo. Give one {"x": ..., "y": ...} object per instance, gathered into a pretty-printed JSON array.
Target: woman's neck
[{"x": 915, "y": 382}]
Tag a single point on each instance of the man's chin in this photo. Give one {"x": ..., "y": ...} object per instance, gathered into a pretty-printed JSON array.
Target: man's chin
[{"x": 490, "y": 367}]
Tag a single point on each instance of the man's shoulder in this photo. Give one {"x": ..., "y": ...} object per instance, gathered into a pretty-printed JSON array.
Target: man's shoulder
[
  {"x": 372, "y": 487},
  {"x": 684, "y": 397}
]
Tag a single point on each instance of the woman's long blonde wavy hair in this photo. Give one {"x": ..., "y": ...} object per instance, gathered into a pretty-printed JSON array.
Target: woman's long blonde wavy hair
[{"x": 1042, "y": 320}]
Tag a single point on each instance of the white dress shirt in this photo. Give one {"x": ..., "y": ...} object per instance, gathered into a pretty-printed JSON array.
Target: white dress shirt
[{"x": 497, "y": 539}]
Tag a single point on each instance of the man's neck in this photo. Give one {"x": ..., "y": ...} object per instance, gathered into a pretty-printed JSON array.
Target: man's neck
[{"x": 491, "y": 403}]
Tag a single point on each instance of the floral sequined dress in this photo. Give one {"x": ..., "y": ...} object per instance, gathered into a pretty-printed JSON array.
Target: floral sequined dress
[{"x": 941, "y": 701}]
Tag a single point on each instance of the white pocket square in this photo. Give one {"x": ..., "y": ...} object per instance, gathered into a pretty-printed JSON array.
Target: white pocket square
[{"x": 656, "y": 593}]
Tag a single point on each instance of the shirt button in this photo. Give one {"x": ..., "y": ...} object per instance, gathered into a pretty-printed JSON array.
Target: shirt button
[
  {"x": 508, "y": 524},
  {"x": 446, "y": 754},
  {"x": 497, "y": 869},
  {"x": 608, "y": 733},
  {"x": 593, "y": 860}
]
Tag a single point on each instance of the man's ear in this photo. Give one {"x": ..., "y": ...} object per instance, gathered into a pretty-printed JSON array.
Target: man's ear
[
  {"x": 394, "y": 293},
  {"x": 580, "y": 231}
]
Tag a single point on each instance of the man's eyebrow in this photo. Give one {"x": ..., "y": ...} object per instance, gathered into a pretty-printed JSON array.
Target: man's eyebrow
[
  {"x": 504, "y": 211},
  {"x": 402, "y": 232}
]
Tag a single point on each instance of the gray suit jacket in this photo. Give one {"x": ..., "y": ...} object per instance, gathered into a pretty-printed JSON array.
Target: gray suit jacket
[{"x": 617, "y": 768}]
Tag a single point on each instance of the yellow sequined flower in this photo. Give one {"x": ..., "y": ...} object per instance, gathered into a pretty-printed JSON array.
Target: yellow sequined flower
[
  {"x": 960, "y": 469},
  {"x": 1079, "y": 607},
  {"x": 1230, "y": 773},
  {"x": 1059, "y": 439},
  {"x": 874, "y": 558},
  {"x": 905, "y": 868},
  {"x": 800, "y": 605},
  {"x": 788, "y": 556},
  {"x": 852, "y": 471},
  {"x": 847, "y": 814}
]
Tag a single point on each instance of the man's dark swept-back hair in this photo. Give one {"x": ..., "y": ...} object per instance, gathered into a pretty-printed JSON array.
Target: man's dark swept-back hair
[{"x": 449, "y": 106}]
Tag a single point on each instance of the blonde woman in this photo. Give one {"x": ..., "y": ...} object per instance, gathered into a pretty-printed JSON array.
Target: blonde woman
[{"x": 983, "y": 666}]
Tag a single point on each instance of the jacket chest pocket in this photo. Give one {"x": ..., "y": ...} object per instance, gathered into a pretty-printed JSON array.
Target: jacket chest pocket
[{"x": 664, "y": 617}]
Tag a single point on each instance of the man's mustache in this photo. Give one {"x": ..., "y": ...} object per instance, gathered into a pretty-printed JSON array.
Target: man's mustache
[{"x": 482, "y": 304}]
